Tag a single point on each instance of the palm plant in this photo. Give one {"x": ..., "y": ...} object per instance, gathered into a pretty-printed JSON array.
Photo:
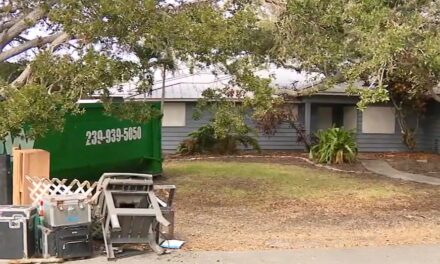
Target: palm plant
[{"x": 334, "y": 145}]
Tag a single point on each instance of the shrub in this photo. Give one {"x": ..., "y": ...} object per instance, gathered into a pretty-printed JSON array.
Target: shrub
[
  {"x": 334, "y": 145},
  {"x": 199, "y": 141},
  {"x": 204, "y": 140}
]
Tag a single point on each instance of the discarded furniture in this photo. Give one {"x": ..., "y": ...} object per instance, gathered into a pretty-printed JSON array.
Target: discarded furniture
[
  {"x": 35, "y": 162},
  {"x": 65, "y": 232},
  {"x": 17, "y": 236},
  {"x": 40, "y": 187},
  {"x": 66, "y": 210},
  {"x": 129, "y": 211},
  {"x": 66, "y": 242},
  {"x": 165, "y": 194}
]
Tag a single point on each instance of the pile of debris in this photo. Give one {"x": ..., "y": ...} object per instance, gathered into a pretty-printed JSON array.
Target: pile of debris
[{"x": 61, "y": 217}]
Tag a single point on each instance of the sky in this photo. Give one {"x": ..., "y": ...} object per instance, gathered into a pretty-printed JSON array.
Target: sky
[{"x": 281, "y": 77}]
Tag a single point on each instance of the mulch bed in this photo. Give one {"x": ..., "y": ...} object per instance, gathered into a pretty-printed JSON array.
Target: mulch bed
[{"x": 285, "y": 158}]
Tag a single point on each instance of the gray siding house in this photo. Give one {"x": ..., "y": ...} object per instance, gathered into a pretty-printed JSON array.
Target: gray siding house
[{"x": 376, "y": 127}]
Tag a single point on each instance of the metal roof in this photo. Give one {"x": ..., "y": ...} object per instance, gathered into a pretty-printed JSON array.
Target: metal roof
[
  {"x": 182, "y": 87},
  {"x": 189, "y": 87},
  {"x": 185, "y": 86}
]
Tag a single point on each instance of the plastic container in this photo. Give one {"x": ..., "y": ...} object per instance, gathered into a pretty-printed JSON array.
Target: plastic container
[{"x": 66, "y": 210}]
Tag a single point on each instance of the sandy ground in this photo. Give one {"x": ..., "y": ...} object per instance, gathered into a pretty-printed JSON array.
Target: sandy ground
[
  {"x": 420, "y": 163},
  {"x": 309, "y": 223},
  {"x": 425, "y": 254}
]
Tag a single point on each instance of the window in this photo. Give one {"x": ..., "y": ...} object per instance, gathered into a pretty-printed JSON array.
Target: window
[
  {"x": 378, "y": 120},
  {"x": 174, "y": 114},
  {"x": 325, "y": 117},
  {"x": 350, "y": 117}
]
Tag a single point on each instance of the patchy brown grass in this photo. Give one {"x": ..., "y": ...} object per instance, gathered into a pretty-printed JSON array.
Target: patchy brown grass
[{"x": 240, "y": 206}]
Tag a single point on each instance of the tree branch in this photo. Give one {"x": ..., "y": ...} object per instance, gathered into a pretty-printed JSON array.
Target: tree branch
[
  {"x": 37, "y": 42},
  {"x": 9, "y": 9},
  {"x": 20, "y": 80},
  {"x": 62, "y": 38},
  {"x": 9, "y": 23},
  {"x": 6, "y": 36}
]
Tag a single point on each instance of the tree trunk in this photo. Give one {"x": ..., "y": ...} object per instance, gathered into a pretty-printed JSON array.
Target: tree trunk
[{"x": 162, "y": 99}]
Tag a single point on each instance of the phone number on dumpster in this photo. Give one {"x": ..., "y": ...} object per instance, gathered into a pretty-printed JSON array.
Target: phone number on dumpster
[{"x": 98, "y": 137}]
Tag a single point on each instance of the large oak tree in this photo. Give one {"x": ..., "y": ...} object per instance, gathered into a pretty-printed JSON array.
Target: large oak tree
[
  {"x": 72, "y": 49},
  {"x": 391, "y": 47}
]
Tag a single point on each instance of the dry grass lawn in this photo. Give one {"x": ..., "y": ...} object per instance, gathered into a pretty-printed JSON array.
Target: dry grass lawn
[{"x": 241, "y": 206}]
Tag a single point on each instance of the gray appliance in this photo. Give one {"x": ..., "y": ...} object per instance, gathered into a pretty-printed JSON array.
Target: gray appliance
[
  {"x": 66, "y": 210},
  {"x": 17, "y": 235},
  {"x": 129, "y": 211},
  {"x": 67, "y": 242}
]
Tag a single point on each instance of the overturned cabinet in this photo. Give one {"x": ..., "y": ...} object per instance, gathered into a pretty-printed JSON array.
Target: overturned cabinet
[{"x": 129, "y": 210}]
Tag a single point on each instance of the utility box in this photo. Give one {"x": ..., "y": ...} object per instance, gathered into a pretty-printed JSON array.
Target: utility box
[
  {"x": 17, "y": 235},
  {"x": 5, "y": 180}
]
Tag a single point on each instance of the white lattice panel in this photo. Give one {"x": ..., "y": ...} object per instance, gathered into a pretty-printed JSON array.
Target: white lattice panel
[{"x": 39, "y": 187}]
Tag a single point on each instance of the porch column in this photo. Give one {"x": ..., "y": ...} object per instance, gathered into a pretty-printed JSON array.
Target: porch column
[{"x": 308, "y": 117}]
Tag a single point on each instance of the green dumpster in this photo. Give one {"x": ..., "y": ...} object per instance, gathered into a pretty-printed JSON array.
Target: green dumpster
[{"x": 94, "y": 143}]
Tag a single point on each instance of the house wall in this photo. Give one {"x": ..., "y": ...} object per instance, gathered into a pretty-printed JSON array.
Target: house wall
[
  {"x": 172, "y": 136},
  {"x": 380, "y": 142},
  {"x": 377, "y": 142},
  {"x": 284, "y": 139},
  {"x": 428, "y": 135}
]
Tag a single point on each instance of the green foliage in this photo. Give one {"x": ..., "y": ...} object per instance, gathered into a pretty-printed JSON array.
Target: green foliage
[
  {"x": 158, "y": 33},
  {"x": 33, "y": 106},
  {"x": 9, "y": 71},
  {"x": 375, "y": 41},
  {"x": 231, "y": 107},
  {"x": 279, "y": 113},
  {"x": 390, "y": 48},
  {"x": 201, "y": 140},
  {"x": 335, "y": 145},
  {"x": 138, "y": 112},
  {"x": 205, "y": 140}
]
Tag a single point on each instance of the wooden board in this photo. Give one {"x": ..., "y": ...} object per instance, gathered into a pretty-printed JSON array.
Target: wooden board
[
  {"x": 37, "y": 260},
  {"x": 16, "y": 172},
  {"x": 28, "y": 162}
]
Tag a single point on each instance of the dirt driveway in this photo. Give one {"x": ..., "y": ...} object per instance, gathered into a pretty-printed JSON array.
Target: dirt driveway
[{"x": 232, "y": 205}]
